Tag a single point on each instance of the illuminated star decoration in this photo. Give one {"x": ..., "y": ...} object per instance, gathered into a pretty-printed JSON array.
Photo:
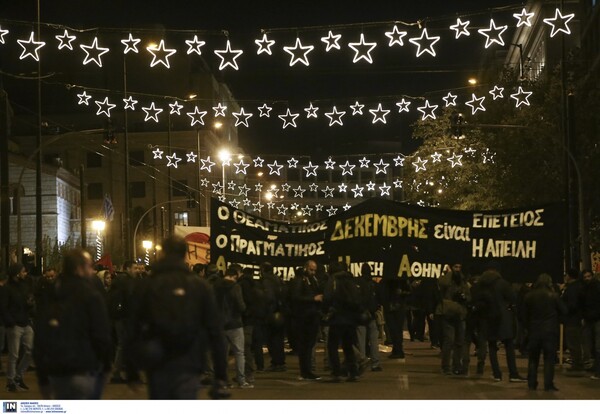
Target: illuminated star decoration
[
  {"x": 218, "y": 188},
  {"x": 219, "y": 110},
  {"x": 130, "y": 103},
  {"x": 450, "y": 99},
  {"x": 381, "y": 167},
  {"x": 357, "y": 109},
  {"x": 294, "y": 206},
  {"x": 244, "y": 190},
  {"x": 176, "y": 108},
  {"x": 204, "y": 182},
  {"x": 455, "y": 160},
  {"x": 31, "y": 48},
  {"x": 258, "y": 162},
  {"x": 281, "y": 210},
  {"x": 160, "y": 54},
  {"x": 399, "y": 161},
  {"x": 65, "y": 40},
  {"x": 258, "y": 206},
  {"x": 234, "y": 203},
  {"x": 370, "y": 186},
  {"x": 84, "y": 98},
  {"x": 358, "y": 191},
  {"x": 332, "y": 211},
  {"x": 228, "y": 57},
  {"x": 428, "y": 111},
  {"x": 257, "y": 187},
  {"x": 197, "y": 116},
  {"x": 299, "y": 192},
  {"x": 385, "y": 189},
  {"x": 327, "y": 192},
  {"x": 207, "y": 164},
  {"x": 191, "y": 157},
  {"x": 397, "y": 183},
  {"x": 332, "y": 41},
  {"x": 335, "y": 116},
  {"x": 306, "y": 210},
  {"x": 246, "y": 202},
  {"x": 342, "y": 188},
  {"x": 130, "y": 44},
  {"x": 379, "y": 114},
  {"x": 264, "y": 45},
  {"x": 292, "y": 163},
  {"x": 403, "y": 105},
  {"x": 470, "y": 151},
  {"x": 420, "y": 41},
  {"x": 194, "y": 45},
  {"x": 362, "y": 49},
  {"x": 275, "y": 168},
  {"x": 270, "y": 205},
  {"x": 329, "y": 164},
  {"x": 265, "y": 110},
  {"x": 104, "y": 107},
  {"x": 310, "y": 169},
  {"x": 396, "y": 37},
  {"x": 521, "y": 96},
  {"x": 364, "y": 162},
  {"x": 436, "y": 157},
  {"x": 318, "y": 207},
  {"x": 3, "y": 32},
  {"x": 93, "y": 53},
  {"x": 289, "y": 119},
  {"x": 172, "y": 160},
  {"x": 347, "y": 168},
  {"x": 158, "y": 153},
  {"x": 240, "y": 167},
  {"x": 476, "y": 104},
  {"x": 311, "y": 111},
  {"x": 559, "y": 23},
  {"x": 419, "y": 164},
  {"x": 346, "y": 207},
  {"x": 151, "y": 112},
  {"x": 524, "y": 18},
  {"x": 298, "y": 52},
  {"x": 313, "y": 187},
  {"x": 493, "y": 34},
  {"x": 497, "y": 92},
  {"x": 285, "y": 187},
  {"x": 241, "y": 118},
  {"x": 460, "y": 28}
]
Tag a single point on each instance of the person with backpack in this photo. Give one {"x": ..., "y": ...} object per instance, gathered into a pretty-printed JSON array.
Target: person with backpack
[
  {"x": 73, "y": 346},
  {"x": 499, "y": 299},
  {"x": 231, "y": 302},
  {"x": 342, "y": 301},
  {"x": 173, "y": 320}
]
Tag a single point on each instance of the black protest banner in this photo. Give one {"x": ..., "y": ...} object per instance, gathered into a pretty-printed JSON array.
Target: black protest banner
[
  {"x": 403, "y": 240},
  {"x": 249, "y": 240}
]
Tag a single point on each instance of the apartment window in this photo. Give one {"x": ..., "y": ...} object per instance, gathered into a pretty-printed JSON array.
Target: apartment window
[
  {"x": 181, "y": 218},
  {"x": 137, "y": 189},
  {"x": 95, "y": 191},
  {"x": 94, "y": 160},
  {"x": 137, "y": 158},
  {"x": 179, "y": 188}
]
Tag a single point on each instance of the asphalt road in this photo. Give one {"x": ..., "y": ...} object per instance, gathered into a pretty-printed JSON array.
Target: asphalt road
[{"x": 418, "y": 377}]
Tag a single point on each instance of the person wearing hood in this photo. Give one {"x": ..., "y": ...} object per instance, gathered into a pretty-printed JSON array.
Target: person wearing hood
[
  {"x": 367, "y": 331},
  {"x": 343, "y": 303},
  {"x": 499, "y": 299},
  {"x": 541, "y": 313}
]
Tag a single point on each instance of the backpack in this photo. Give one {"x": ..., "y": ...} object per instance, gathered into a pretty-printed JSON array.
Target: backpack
[{"x": 173, "y": 312}]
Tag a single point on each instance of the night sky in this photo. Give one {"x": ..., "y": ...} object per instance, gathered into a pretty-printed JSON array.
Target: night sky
[{"x": 331, "y": 77}]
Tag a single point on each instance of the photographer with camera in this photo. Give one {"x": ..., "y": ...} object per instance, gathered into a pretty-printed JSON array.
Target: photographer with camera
[{"x": 452, "y": 311}]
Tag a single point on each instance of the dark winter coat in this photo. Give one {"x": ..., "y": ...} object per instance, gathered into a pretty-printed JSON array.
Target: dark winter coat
[
  {"x": 230, "y": 301},
  {"x": 499, "y": 299},
  {"x": 393, "y": 293},
  {"x": 542, "y": 311},
  {"x": 572, "y": 299},
  {"x": 368, "y": 294},
  {"x": 455, "y": 295},
  {"x": 19, "y": 303},
  {"x": 342, "y": 300},
  {"x": 590, "y": 300},
  {"x": 254, "y": 299},
  {"x": 303, "y": 292}
]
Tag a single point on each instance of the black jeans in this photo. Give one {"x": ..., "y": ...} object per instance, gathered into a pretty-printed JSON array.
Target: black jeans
[
  {"x": 258, "y": 341},
  {"x": 169, "y": 384},
  {"x": 574, "y": 339},
  {"x": 452, "y": 345},
  {"x": 538, "y": 343},
  {"x": 306, "y": 331},
  {"x": 434, "y": 331},
  {"x": 394, "y": 320},
  {"x": 275, "y": 340},
  {"x": 510, "y": 358},
  {"x": 346, "y": 336},
  {"x": 415, "y": 320}
]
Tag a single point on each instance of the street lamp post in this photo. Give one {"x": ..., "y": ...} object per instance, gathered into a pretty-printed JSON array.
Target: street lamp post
[{"x": 98, "y": 226}]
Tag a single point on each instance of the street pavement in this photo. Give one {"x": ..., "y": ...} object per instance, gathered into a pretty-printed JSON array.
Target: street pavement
[{"x": 418, "y": 377}]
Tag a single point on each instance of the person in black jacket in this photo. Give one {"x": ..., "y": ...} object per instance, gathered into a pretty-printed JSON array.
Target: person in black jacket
[
  {"x": 231, "y": 302},
  {"x": 306, "y": 301},
  {"x": 174, "y": 320},
  {"x": 542, "y": 309},
  {"x": 367, "y": 331},
  {"x": 394, "y": 293},
  {"x": 343, "y": 303},
  {"x": 275, "y": 324},
  {"x": 573, "y": 322},
  {"x": 590, "y": 301},
  {"x": 18, "y": 308},
  {"x": 252, "y": 299},
  {"x": 73, "y": 345}
]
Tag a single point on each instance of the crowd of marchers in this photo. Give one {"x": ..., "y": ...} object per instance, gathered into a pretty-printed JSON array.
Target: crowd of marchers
[{"x": 175, "y": 329}]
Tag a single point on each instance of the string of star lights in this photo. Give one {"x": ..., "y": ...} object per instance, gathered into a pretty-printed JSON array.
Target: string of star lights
[{"x": 414, "y": 34}]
